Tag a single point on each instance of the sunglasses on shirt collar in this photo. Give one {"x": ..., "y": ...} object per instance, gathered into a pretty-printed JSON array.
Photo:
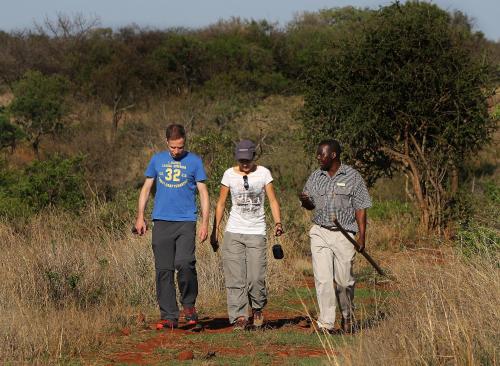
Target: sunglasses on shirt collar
[{"x": 245, "y": 182}]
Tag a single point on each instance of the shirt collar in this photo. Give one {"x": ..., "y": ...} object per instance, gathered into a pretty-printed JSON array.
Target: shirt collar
[{"x": 341, "y": 170}]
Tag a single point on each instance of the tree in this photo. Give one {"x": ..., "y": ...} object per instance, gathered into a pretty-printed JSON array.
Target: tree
[
  {"x": 39, "y": 105},
  {"x": 179, "y": 62},
  {"x": 112, "y": 73},
  {"x": 9, "y": 133},
  {"x": 404, "y": 92},
  {"x": 310, "y": 34}
]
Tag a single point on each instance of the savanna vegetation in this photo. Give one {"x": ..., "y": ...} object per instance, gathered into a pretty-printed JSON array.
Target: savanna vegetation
[{"x": 408, "y": 89}]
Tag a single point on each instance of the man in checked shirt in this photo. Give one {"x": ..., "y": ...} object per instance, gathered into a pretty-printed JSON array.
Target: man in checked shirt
[{"x": 335, "y": 190}]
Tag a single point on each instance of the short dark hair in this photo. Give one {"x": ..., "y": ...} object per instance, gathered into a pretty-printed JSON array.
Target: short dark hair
[
  {"x": 175, "y": 132},
  {"x": 333, "y": 144}
]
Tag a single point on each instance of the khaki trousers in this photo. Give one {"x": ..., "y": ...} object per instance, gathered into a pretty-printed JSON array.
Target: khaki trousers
[
  {"x": 332, "y": 259},
  {"x": 244, "y": 257}
]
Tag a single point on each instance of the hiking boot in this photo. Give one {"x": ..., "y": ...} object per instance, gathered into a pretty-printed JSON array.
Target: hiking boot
[
  {"x": 190, "y": 315},
  {"x": 166, "y": 324},
  {"x": 258, "y": 318},
  {"x": 240, "y": 324}
]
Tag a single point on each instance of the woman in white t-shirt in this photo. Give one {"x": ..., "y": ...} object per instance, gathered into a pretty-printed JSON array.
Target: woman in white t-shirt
[{"x": 244, "y": 251}]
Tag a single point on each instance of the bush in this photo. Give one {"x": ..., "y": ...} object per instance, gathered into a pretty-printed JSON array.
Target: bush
[
  {"x": 478, "y": 240},
  {"x": 53, "y": 182},
  {"x": 9, "y": 133},
  {"x": 383, "y": 210},
  {"x": 11, "y": 204},
  {"x": 216, "y": 150},
  {"x": 492, "y": 192}
]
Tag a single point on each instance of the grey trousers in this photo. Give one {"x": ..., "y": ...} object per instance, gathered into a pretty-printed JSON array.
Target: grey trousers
[
  {"x": 244, "y": 257},
  {"x": 332, "y": 258},
  {"x": 174, "y": 250}
]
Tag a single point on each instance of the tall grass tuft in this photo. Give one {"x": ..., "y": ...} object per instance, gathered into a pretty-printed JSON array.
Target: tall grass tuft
[{"x": 445, "y": 313}]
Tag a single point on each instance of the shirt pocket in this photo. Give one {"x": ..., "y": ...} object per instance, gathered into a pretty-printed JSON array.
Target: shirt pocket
[
  {"x": 342, "y": 197},
  {"x": 320, "y": 197}
]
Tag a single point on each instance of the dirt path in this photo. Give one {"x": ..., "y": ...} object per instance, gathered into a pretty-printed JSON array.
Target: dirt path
[
  {"x": 216, "y": 342},
  {"x": 287, "y": 338}
]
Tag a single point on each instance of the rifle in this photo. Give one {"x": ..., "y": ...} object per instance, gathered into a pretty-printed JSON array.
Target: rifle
[{"x": 356, "y": 245}]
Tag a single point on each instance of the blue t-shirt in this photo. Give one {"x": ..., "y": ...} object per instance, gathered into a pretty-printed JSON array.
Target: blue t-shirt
[{"x": 175, "y": 198}]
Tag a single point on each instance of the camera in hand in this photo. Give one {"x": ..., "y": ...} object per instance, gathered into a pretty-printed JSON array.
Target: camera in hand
[{"x": 278, "y": 251}]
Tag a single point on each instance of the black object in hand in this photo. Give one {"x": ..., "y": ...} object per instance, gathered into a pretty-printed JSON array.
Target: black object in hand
[{"x": 278, "y": 251}]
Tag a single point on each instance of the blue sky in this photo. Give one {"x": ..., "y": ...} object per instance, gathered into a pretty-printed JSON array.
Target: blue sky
[{"x": 19, "y": 14}]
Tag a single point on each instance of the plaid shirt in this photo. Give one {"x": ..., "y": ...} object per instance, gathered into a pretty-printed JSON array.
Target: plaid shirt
[{"x": 338, "y": 196}]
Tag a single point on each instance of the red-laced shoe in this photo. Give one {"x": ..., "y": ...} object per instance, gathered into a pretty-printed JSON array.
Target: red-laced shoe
[
  {"x": 166, "y": 324},
  {"x": 191, "y": 315}
]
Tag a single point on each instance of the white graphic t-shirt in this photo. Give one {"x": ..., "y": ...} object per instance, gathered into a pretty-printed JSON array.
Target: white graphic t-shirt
[{"x": 247, "y": 210}]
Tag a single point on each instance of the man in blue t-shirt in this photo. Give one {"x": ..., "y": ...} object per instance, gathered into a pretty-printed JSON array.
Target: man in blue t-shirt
[{"x": 178, "y": 174}]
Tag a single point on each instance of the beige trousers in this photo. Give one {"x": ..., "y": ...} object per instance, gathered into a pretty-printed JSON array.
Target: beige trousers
[
  {"x": 332, "y": 259},
  {"x": 244, "y": 257}
]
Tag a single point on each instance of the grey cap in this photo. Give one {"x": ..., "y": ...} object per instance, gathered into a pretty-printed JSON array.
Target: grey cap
[{"x": 245, "y": 150}]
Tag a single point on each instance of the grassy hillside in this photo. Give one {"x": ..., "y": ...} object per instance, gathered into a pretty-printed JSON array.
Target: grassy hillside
[{"x": 71, "y": 278}]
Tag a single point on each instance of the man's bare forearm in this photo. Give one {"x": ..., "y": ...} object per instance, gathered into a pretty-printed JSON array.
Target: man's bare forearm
[
  {"x": 360, "y": 216},
  {"x": 205, "y": 206},
  {"x": 143, "y": 200}
]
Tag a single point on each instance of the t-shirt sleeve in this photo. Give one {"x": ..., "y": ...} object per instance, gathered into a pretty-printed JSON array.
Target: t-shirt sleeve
[
  {"x": 361, "y": 198},
  {"x": 151, "y": 170},
  {"x": 268, "y": 178},
  {"x": 225, "y": 179},
  {"x": 199, "y": 173}
]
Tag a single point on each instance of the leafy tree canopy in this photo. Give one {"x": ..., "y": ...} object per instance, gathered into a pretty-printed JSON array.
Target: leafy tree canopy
[
  {"x": 39, "y": 105},
  {"x": 404, "y": 91}
]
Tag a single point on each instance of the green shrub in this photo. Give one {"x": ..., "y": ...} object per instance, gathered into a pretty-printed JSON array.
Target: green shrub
[
  {"x": 492, "y": 191},
  {"x": 11, "y": 204},
  {"x": 495, "y": 114},
  {"x": 478, "y": 240},
  {"x": 383, "y": 210},
  {"x": 460, "y": 209},
  {"x": 54, "y": 182},
  {"x": 9, "y": 133},
  {"x": 216, "y": 149}
]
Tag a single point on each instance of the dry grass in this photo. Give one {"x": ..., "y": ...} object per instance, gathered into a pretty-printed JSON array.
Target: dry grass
[
  {"x": 445, "y": 313},
  {"x": 66, "y": 281}
]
